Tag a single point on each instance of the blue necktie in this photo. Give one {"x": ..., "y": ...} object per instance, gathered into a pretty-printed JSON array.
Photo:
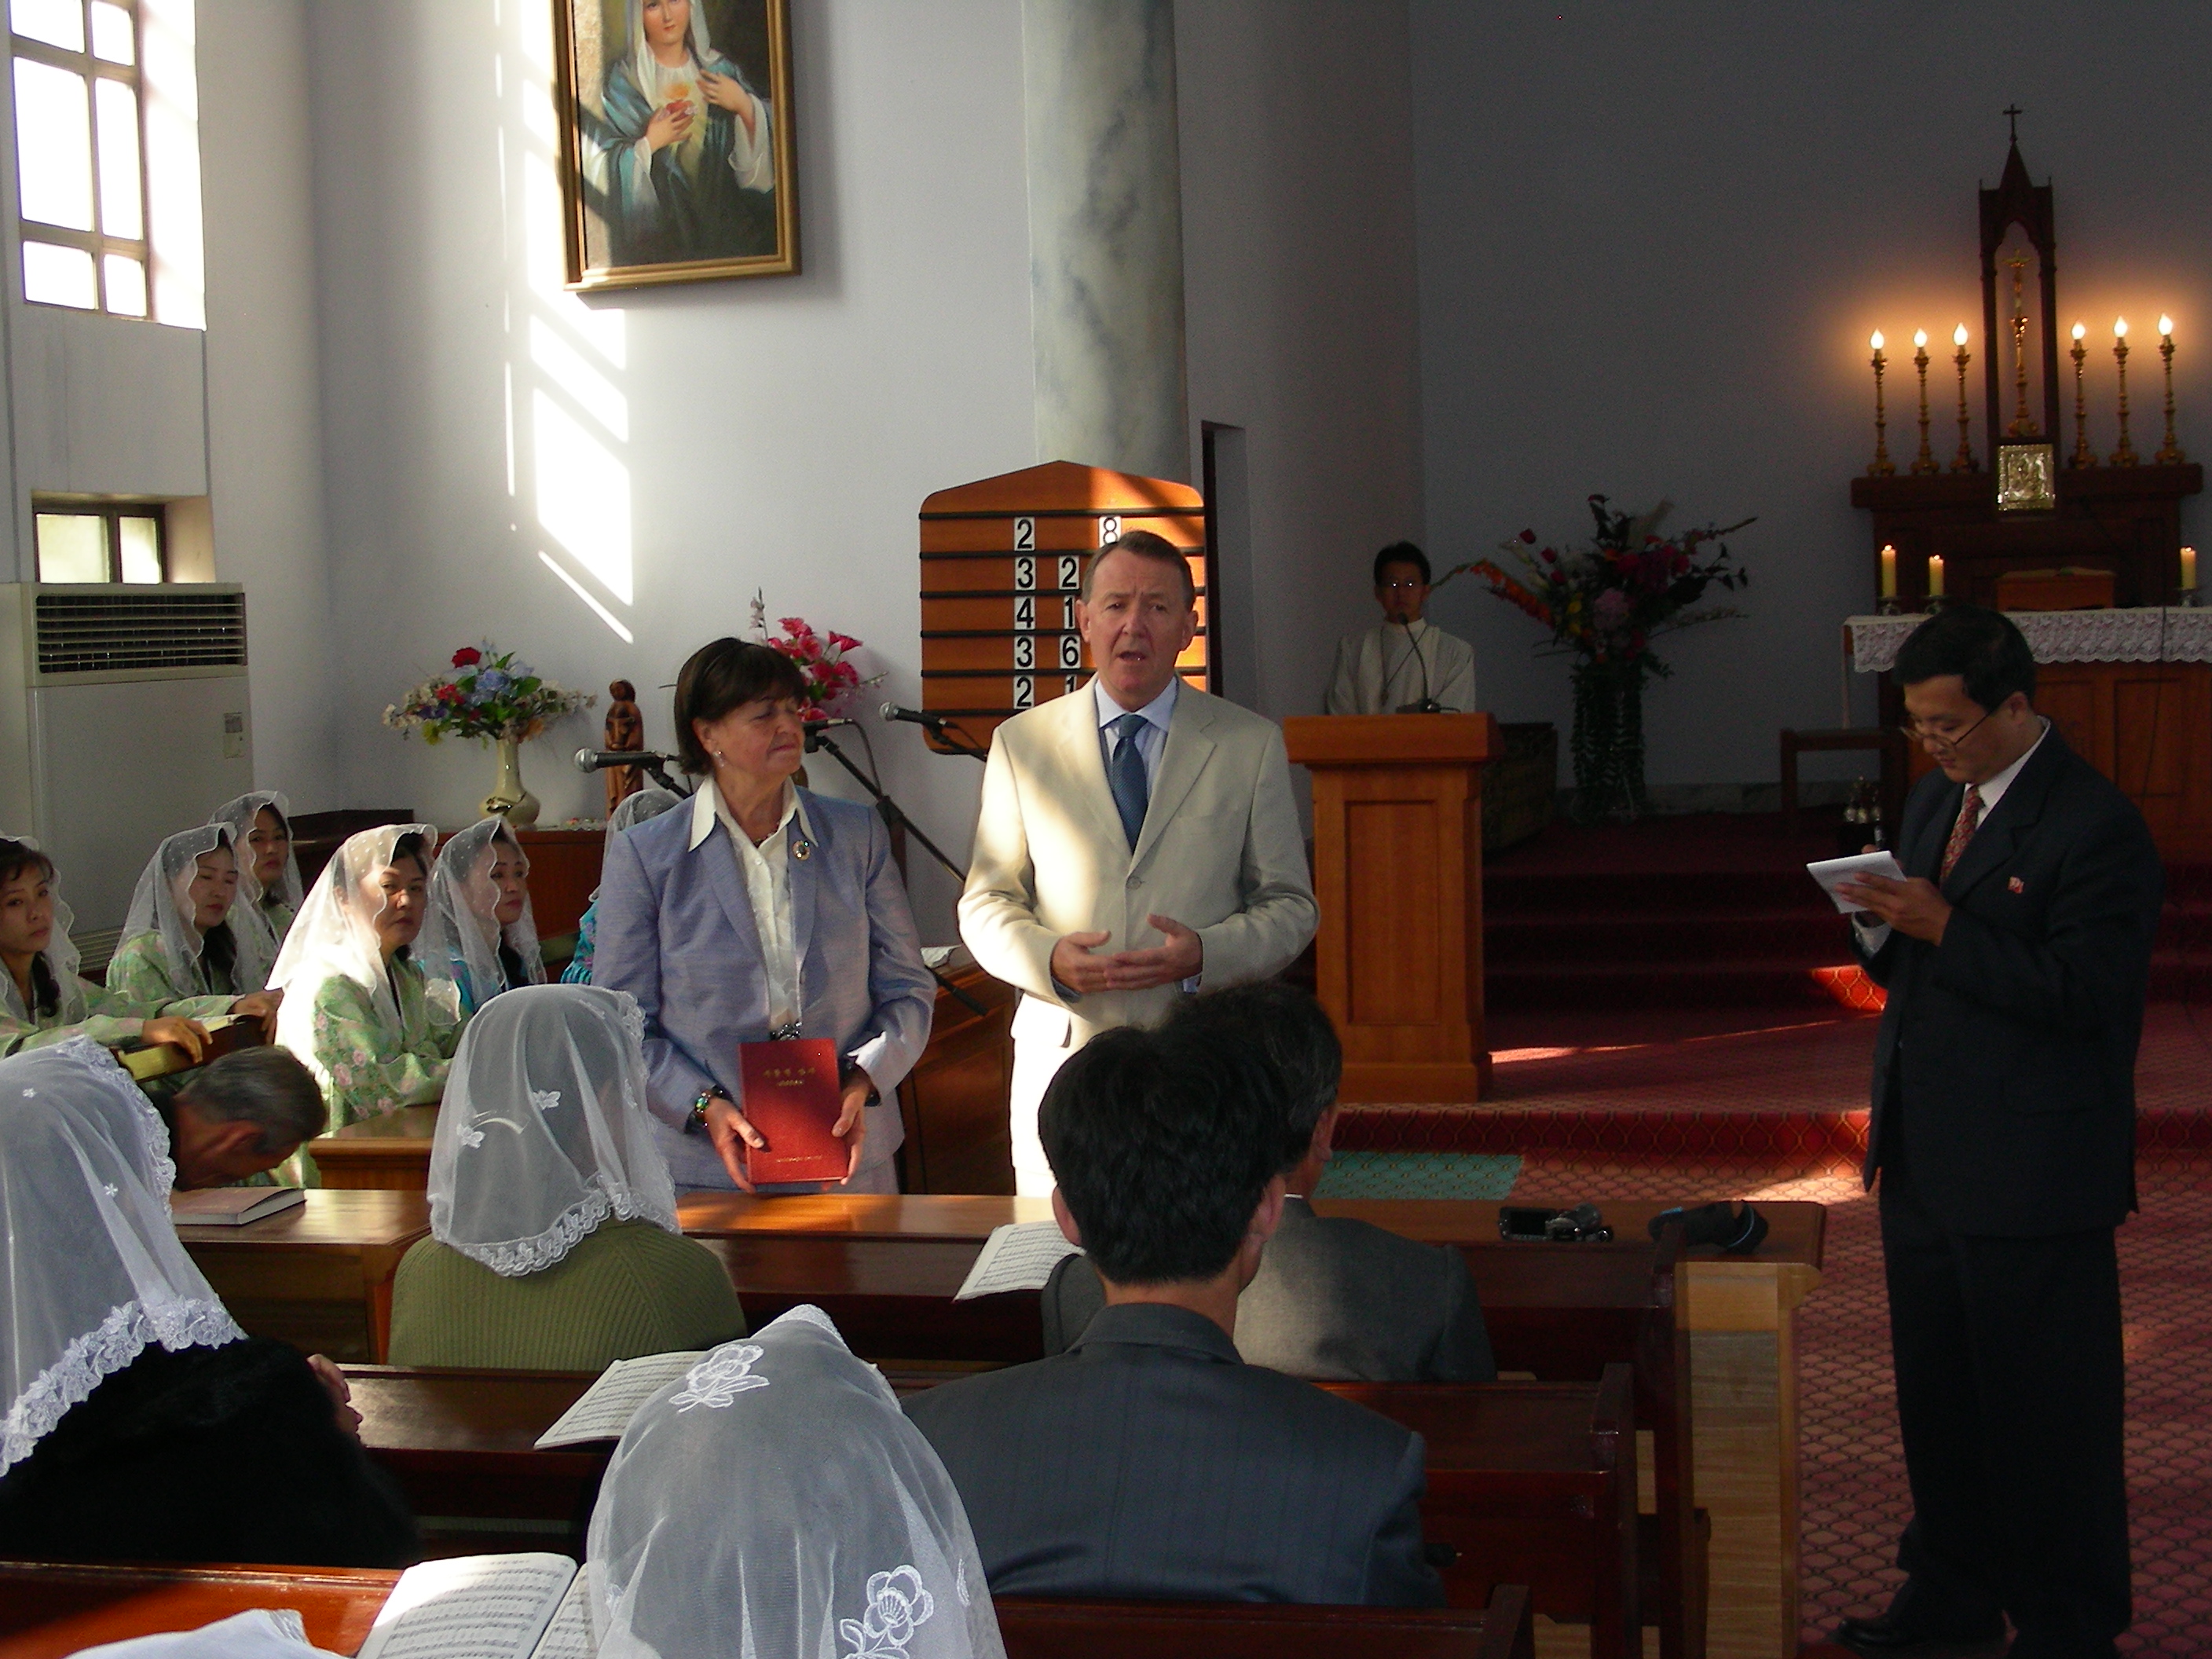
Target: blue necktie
[{"x": 1125, "y": 776}]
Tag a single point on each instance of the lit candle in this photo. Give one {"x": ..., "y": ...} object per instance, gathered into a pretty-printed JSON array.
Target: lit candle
[
  {"x": 2165, "y": 327},
  {"x": 1920, "y": 338},
  {"x": 2080, "y": 329},
  {"x": 1959, "y": 335},
  {"x": 2189, "y": 570},
  {"x": 1875, "y": 339},
  {"x": 1935, "y": 575},
  {"x": 2119, "y": 328},
  {"x": 1889, "y": 571}
]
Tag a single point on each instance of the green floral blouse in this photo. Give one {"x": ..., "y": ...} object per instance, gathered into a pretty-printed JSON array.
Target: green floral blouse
[
  {"x": 138, "y": 974},
  {"x": 365, "y": 1065},
  {"x": 102, "y": 1017}
]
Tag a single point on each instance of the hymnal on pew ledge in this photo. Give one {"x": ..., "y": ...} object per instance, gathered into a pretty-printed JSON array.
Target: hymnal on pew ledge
[{"x": 231, "y": 1207}]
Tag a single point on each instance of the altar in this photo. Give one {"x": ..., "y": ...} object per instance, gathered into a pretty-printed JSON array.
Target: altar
[{"x": 2130, "y": 689}]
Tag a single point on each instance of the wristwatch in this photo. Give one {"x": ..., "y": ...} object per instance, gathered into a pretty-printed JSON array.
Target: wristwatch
[{"x": 708, "y": 1096}]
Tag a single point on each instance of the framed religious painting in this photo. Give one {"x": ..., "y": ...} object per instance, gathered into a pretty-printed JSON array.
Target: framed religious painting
[{"x": 676, "y": 148}]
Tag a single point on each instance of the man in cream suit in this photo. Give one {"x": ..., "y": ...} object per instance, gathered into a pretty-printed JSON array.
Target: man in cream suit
[{"x": 1136, "y": 839}]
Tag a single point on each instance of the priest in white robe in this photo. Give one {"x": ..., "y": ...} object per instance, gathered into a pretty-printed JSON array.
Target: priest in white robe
[{"x": 1406, "y": 664}]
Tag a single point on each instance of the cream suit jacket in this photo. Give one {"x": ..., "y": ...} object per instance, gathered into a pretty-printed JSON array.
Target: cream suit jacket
[{"x": 1220, "y": 851}]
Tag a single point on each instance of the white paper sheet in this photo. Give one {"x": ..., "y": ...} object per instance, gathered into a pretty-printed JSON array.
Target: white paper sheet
[
  {"x": 471, "y": 1606},
  {"x": 569, "y": 1635},
  {"x": 610, "y": 1403},
  {"x": 1017, "y": 1256},
  {"x": 1833, "y": 874}
]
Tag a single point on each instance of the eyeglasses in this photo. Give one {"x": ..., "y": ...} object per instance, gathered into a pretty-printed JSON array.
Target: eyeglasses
[
  {"x": 1935, "y": 744},
  {"x": 1400, "y": 588}
]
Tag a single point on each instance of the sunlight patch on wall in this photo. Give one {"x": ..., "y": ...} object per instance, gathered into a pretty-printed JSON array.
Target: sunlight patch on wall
[
  {"x": 592, "y": 392},
  {"x": 583, "y": 495},
  {"x": 585, "y": 594}
]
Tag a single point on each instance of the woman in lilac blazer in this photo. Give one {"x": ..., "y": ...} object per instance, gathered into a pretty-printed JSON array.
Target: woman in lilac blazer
[{"x": 755, "y": 908}]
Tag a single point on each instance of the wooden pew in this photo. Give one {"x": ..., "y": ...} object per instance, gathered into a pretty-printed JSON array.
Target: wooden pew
[
  {"x": 50, "y": 1611},
  {"x": 317, "y": 1275}
]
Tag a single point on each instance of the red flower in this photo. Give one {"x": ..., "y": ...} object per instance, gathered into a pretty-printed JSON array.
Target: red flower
[
  {"x": 449, "y": 694},
  {"x": 1529, "y": 537},
  {"x": 844, "y": 641},
  {"x": 467, "y": 657},
  {"x": 1549, "y": 557}
]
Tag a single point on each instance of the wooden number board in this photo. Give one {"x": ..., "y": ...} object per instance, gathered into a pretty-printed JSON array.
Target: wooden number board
[{"x": 1001, "y": 561}]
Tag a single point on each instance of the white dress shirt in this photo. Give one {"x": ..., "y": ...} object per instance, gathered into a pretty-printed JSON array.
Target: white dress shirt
[
  {"x": 1151, "y": 736},
  {"x": 765, "y": 869},
  {"x": 1382, "y": 670}
]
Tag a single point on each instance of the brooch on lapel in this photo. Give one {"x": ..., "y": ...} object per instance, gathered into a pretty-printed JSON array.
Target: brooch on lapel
[
  {"x": 2015, "y": 884},
  {"x": 803, "y": 849}
]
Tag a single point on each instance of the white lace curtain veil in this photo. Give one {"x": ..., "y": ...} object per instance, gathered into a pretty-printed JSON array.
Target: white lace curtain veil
[
  {"x": 91, "y": 1261},
  {"x": 252, "y": 897},
  {"x": 463, "y": 896},
  {"x": 62, "y": 960},
  {"x": 335, "y": 934},
  {"x": 163, "y": 905},
  {"x": 543, "y": 1133},
  {"x": 777, "y": 1503}
]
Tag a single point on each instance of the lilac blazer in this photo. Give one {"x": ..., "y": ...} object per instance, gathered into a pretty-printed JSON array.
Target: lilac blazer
[{"x": 676, "y": 931}]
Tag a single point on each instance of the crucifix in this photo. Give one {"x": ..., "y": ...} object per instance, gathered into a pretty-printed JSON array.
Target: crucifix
[{"x": 2012, "y": 113}]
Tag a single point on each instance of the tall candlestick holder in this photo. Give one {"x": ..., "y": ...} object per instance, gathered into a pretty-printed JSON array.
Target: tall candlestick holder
[
  {"x": 1880, "y": 466},
  {"x": 1964, "y": 461},
  {"x": 2169, "y": 454},
  {"x": 2083, "y": 455},
  {"x": 1925, "y": 462},
  {"x": 2125, "y": 454}
]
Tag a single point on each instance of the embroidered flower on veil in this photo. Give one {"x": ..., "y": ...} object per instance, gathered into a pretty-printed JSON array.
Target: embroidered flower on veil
[
  {"x": 720, "y": 1377},
  {"x": 472, "y": 1137},
  {"x": 544, "y": 1099},
  {"x": 897, "y": 1603}
]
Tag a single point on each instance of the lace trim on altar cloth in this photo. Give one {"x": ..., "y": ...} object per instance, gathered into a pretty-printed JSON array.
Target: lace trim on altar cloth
[
  {"x": 2145, "y": 633},
  {"x": 99, "y": 1354},
  {"x": 516, "y": 1257}
]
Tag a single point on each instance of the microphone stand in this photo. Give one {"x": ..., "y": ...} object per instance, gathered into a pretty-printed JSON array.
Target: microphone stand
[{"x": 894, "y": 816}]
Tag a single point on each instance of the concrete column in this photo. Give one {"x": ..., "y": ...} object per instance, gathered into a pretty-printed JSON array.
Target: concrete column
[{"x": 1106, "y": 234}]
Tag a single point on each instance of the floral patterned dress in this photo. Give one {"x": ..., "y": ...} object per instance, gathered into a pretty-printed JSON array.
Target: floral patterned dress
[
  {"x": 138, "y": 976},
  {"x": 365, "y": 1065},
  {"x": 92, "y": 1012}
]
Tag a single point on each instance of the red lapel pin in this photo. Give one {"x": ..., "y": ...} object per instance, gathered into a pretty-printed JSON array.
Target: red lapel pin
[{"x": 2016, "y": 885}]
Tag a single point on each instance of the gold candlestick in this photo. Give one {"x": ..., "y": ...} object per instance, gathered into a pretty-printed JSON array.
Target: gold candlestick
[
  {"x": 1925, "y": 462},
  {"x": 2023, "y": 424},
  {"x": 1880, "y": 466},
  {"x": 2083, "y": 455},
  {"x": 2125, "y": 454},
  {"x": 2170, "y": 453},
  {"x": 1964, "y": 461}
]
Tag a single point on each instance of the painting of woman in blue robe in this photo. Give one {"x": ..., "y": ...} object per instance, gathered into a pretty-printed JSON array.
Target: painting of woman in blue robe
[{"x": 682, "y": 152}]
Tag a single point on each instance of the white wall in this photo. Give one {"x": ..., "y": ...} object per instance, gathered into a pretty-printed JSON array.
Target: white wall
[
  {"x": 1302, "y": 315},
  {"x": 1653, "y": 241},
  {"x": 697, "y": 443}
]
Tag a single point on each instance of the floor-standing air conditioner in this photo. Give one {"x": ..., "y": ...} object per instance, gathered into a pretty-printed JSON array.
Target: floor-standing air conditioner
[{"x": 124, "y": 718}]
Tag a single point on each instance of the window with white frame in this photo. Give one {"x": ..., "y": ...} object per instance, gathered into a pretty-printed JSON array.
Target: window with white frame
[
  {"x": 102, "y": 542},
  {"x": 81, "y": 153}
]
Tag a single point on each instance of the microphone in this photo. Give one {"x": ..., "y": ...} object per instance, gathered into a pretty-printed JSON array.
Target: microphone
[
  {"x": 588, "y": 761},
  {"x": 816, "y": 728},
  {"x": 892, "y": 711}
]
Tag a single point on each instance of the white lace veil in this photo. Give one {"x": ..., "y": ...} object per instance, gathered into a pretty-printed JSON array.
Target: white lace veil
[
  {"x": 162, "y": 906},
  {"x": 777, "y": 1503},
  {"x": 252, "y": 897},
  {"x": 334, "y": 936},
  {"x": 634, "y": 810},
  {"x": 62, "y": 960},
  {"x": 543, "y": 1133},
  {"x": 462, "y": 898},
  {"x": 90, "y": 1259}
]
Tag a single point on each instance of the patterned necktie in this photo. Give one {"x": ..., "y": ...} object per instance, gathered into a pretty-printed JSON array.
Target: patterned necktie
[
  {"x": 1970, "y": 816},
  {"x": 1125, "y": 776}
]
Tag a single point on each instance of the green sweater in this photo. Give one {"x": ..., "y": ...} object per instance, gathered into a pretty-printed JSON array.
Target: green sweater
[{"x": 626, "y": 1289}]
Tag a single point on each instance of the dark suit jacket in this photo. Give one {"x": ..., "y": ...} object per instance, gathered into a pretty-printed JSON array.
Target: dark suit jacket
[
  {"x": 1148, "y": 1462},
  {"x": 2006, "y": 1057},
  {"x": 1335, "y": 1299}
]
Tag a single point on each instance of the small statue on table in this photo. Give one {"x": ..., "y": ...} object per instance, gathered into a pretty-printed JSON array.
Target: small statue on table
[{"x": 625, "y": 729}]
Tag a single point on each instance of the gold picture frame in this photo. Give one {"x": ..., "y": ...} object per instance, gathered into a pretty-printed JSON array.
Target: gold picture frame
[
  {"x": 2028, "y": 476},
  {"x": 684, "y": 171}
]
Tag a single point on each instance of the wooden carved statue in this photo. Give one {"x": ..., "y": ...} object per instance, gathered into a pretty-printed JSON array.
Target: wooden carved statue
[{"x": 625, "y": 729}]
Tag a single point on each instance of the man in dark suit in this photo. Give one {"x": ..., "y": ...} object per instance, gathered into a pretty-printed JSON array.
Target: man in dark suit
[
  {"x": 2016, "y": 956},
  {"x": 1149, "y": 1460},
  {"x": 1335, "y": 1299}
]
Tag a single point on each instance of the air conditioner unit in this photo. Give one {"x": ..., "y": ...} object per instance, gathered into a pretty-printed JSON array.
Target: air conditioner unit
[{"x": 124, "y": 718}]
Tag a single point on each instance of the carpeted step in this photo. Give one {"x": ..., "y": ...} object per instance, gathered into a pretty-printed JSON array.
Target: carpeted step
[
  {"x": 1699, "y": 982},
  {"x": 1811, "y": 937}
]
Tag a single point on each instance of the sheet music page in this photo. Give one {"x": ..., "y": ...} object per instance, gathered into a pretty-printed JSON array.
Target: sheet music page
[
  {"x": 1833, "y": 874},
  {"x": 610, "y": 1403},
  {"x": 471, "y": 1607},
  {"x": 569, "y": 1636},
  {"x": 1017, "y": 1256}
]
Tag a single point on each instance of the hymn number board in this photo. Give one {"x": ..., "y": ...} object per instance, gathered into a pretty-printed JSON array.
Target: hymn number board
[{"x": 1001, "y": 562}]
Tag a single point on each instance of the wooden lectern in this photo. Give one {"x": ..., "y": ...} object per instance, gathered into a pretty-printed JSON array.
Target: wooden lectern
[{"x": 1398, "y": 870}]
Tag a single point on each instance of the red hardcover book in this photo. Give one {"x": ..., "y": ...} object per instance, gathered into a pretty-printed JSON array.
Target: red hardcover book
[{"x": 791, "y": 1097}]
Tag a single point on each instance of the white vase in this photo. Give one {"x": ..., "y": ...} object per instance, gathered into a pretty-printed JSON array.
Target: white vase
[{"x": 509, "y": 797}]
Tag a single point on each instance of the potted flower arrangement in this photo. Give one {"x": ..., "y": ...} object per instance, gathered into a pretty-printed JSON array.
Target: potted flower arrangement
[
  {"x": 1605, "y": 603},
  {"x": 488, "y": 695}
]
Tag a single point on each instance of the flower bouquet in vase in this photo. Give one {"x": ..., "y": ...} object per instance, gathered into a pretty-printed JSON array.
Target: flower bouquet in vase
[
  {"x": 1605, "y": 603},
  {"x": 488, "y": 695},
  {"x": 823, "y": 658}
]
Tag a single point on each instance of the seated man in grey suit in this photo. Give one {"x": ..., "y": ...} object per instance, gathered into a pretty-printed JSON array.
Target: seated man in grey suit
[
  {"x": 1338, "y": 1300},
  {"x": 1149, "y": 1460}
]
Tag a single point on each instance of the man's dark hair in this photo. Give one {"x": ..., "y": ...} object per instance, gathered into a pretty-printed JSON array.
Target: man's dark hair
[
  {"x": 724, "y": 674},
  {"x": 1162, "y": 1142},
  {"x": 1982, "y": 647},
  {"x": 1401, "y": 553},
  {"x": 1294, "y": 1031},
  {"x": 1144, "y": 545},
  {"x": 267, "y": 1087}
]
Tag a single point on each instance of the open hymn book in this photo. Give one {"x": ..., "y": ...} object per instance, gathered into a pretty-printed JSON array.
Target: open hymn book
[
  {"x": 486, "y": 1606},
  {"x": 1017, "y": 1256},
  {"x": 606, "y": 1407}
]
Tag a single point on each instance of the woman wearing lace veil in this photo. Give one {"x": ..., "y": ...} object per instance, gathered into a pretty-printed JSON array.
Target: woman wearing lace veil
[
  {"x": 777, "y": 1503},
  {"x": 43, "y": 998},
  {"x": 647, "y": 803},
  {"x": 179, "y": 941},
  {"x": 357, "y": 1007},
  {"x": 481, "y": 896},
  {"x": 268, "y": 891},
  {"x": 553, "y": 1238},
  {"x": 141, "y": 1424}
]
